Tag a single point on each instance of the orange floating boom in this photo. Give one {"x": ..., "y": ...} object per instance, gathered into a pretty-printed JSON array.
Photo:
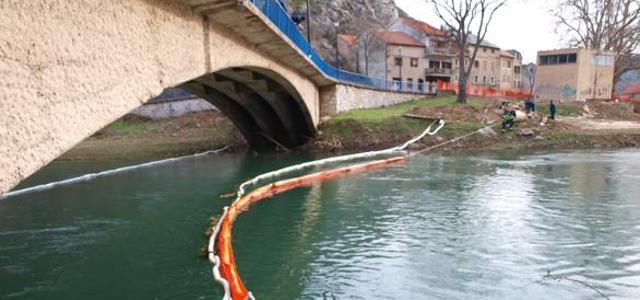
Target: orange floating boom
[{"x": 223, "y": 248}]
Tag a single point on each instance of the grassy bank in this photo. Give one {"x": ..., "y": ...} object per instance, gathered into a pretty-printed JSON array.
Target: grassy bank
[{"x": 366, "y": 129}]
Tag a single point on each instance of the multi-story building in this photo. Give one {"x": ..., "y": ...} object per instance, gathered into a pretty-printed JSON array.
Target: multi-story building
[
  {"x": 492, "y": 67},
  {"x": 415, "y": 52},
  {"x": 439, "y": 51},
  {"x": 574, "y": 74},
  {"x": 392, "y": 55},
  {"x": 486, "y": 66},
  {"x": 510, "y": 70}
]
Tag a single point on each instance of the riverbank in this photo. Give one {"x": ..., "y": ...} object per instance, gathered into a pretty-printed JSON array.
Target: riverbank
[
  {"x": 134, "y": 137},
  {"x": 599, "y": 125}
]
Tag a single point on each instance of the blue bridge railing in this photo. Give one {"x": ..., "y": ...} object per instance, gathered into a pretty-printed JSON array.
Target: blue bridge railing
[{"x": 277, "y": 14}]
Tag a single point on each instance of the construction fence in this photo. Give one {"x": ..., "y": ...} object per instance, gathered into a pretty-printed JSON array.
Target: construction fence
[{"x": 484, "y": 91}]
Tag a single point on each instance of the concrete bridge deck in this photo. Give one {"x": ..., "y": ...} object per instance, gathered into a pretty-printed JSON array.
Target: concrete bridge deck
[{"x": 71, "y": 67}]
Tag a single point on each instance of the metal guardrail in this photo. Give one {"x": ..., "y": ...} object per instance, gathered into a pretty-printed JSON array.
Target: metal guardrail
[{"x": 282, "y": 20}]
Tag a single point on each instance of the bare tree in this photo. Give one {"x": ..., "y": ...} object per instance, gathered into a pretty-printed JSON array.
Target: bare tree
[
  {"x": 467, "y": 22},
  {"x": 366, "y": 40},
  {"x": 609, "y": 25},
  {"x": 529, "y": 72}
]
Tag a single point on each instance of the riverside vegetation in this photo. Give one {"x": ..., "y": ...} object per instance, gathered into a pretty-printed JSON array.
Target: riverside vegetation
[{"x": 599, "y": 125}]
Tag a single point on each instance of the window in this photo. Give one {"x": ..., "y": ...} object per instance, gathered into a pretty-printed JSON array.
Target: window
[
  {"x": 420, "y": 85},
  {"x": 544, "y": 60},
  {"x": 555, "y": 59},
  {"x": 493, "y": 50},
  {"x": 603, "y": 60},
  {"x": 509, "y": 64},
  {"x": 476, "y": 64},
  {"x": 484, "y": 49},
  {"x": 410, "y": 83},
  {"x": 516, "y": 69},
  {"x": 492, "y": 80},
  {"x": 397, "y": 61},
  {"x": 475, "y": 79},
  {"x": 434, "y": 64},
  {"x": 562, "y": 59},
  {"x": 484, "y": 79},
  {"x": 446, "y": 65},
  {"x": 457, "y": 62},
  {"x": 414, "y": 62}
]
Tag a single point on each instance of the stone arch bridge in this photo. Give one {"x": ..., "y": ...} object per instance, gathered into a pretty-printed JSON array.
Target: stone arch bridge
[{"x": 70, "y": 67}]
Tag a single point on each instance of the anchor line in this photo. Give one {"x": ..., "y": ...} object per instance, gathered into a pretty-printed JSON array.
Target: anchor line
[{"x": 91, "y": 176}]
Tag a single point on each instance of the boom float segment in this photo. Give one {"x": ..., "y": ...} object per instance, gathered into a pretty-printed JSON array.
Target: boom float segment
[{"x": 221, "y": 251}]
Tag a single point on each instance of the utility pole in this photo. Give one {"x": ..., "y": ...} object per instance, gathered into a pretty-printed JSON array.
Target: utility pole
[
  {"x": 308, "y": 23},
  {"x": 337, "y": 25},
  {"x": 401, "y": 62}
]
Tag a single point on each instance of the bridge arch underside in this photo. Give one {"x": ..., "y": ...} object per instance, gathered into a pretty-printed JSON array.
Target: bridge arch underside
[{"x": 262, "y": 104}]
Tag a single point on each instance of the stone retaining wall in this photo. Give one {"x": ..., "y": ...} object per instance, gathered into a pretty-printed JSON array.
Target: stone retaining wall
[{"x": 340, "y": 97}]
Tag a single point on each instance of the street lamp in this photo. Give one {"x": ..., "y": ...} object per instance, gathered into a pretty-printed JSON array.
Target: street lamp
[
  {"x": 337, "y": 25},
  {"x": 400, "y": 55}
]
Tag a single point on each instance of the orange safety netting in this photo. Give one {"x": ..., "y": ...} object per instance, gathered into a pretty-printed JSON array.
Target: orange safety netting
[
  {"x": 223, "y": 250},
  {"x": 485, "y": 91}
]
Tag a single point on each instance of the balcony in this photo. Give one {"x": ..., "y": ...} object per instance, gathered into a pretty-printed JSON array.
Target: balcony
[
  {"x": 441, "y": 51},
  {"x": 437, "y": 71}
]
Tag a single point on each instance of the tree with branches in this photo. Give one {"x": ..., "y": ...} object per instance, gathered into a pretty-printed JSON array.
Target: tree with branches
[
  {"x": 607, "y": 25},
  {"x": 529, "y": 73},
  {"x": 467, "y": 22}
]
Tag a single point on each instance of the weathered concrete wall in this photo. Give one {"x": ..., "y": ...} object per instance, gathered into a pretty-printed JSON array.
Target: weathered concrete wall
[
  {"x": 341, "y": 97},
  {"x": 69, "y": 67}
]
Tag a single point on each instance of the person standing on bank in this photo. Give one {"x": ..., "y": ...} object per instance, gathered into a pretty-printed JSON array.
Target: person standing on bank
[{"x": 552, "y": 110}]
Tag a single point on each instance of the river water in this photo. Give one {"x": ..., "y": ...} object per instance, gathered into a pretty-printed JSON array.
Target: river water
[{"x": 437, "y": 227}]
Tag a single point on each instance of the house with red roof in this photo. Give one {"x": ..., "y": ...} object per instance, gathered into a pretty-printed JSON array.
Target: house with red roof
[
  {"x": 493, "y": 67},
  {"x": 347, "y": 50},
  {"x": 632, "y": 92},
  {"x": 439, "y": 51},
  {"x": 393, "y": 55}
]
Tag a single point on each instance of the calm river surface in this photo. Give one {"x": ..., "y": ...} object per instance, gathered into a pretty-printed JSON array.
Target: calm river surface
[{"x": 438, "y": 227}]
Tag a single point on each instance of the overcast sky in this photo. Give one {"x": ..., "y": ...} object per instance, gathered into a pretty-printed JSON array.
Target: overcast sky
[{"x": 524, "y": 25}]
